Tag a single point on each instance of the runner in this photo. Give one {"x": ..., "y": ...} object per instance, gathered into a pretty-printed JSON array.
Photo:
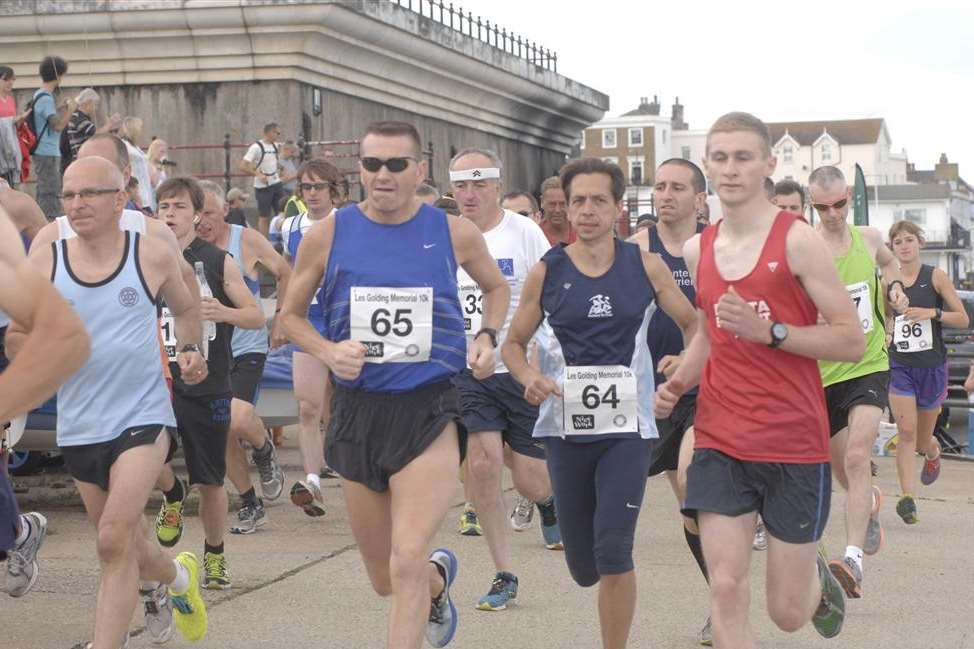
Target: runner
[
  {"x": 56, "y": 346},
  {"x": 679, "y": 193},
  {"x": 554, "y": 212},
  {"x": 918, "y": 362},
  {"x": 114, "y": 417},
  {"x": 394, "y": 340},
  {"x": 249, "y": 350},
  {"x": 495, "y": 413},
  {"x": 203, "y": 408},
  {"x": 22, "y": 211},
  {"x": 320, "y": 185},
  {"x": 596, "y": 294},
  {"x": 761, "y": 431},
  {"x": 856, "y": 393}
]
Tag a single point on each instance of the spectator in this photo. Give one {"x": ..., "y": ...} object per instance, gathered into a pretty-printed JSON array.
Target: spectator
[
  {"x": 427, "y": 193},
  {"x": 263, "y": 162},
  {"x": 8, "y": 106},
  {"x": 11, "y": 158},
  {"x": 49, "y": 118},
  {"x": 236, "y": 199},
  {"x": 158, "y": 161},
  {"x": 523, "y": 203},
  {"x": 81, "y": 126},
  {"x": 131, "y": 134}
]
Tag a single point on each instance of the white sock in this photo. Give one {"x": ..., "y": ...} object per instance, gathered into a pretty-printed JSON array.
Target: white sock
[
  {"x": 854, "y": 553},
  {"x": 24, "y": 531},
  {"x": 315, "y": 479},
  {"x": 180, "y": 584}
]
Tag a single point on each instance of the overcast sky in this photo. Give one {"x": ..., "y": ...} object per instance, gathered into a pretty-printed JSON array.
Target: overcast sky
[{"x": 782, "y": 61}]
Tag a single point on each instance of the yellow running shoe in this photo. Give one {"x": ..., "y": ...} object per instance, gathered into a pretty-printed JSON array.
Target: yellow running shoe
[
  {"x": 468, "y": 524},
  {"x": 169, "y": 523},
  {"x": 188, "y": 608}
]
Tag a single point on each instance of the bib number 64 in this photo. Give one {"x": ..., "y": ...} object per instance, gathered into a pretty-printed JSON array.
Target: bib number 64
[{"x": 592, "y": 399}]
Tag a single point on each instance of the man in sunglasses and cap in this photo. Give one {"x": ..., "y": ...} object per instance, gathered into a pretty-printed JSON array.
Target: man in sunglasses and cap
[
  {"x": 393, "y": 338},
  {"x": 856, "y": 393}
]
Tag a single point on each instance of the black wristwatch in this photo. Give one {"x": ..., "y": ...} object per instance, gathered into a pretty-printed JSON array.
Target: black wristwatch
[
  {"x": 940, "y": 314},
  {"x": 490, "y": 332},
  {"x": 189, "y": 348},
  {"x": 778, "y": 334}
]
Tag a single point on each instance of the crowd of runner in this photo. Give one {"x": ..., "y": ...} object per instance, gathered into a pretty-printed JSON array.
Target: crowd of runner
[{"x": 444, "y": 337}]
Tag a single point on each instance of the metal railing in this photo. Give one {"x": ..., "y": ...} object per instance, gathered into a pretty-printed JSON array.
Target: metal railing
[{"x": 475, "y": 27}]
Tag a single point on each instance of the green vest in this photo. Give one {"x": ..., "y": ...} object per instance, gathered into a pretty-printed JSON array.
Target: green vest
[{"x": 858, "y": 272}]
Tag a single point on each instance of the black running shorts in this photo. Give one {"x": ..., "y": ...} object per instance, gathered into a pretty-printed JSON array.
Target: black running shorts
[
  {"x": 372, "y": 435},
  {"x": 793, "y": 499},
  {"x": 93, "y": 462},
  {"x": 203, "y": 423},
  {"x": 666, "y": 451},
  {"x": 246, "y": 371},
  {"x": 869, "y": 390},
  {"x": 497, "y": 404}
]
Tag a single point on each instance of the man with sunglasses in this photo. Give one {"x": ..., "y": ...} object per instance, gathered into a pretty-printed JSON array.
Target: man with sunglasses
[
  {"x": 523, "y": 203},
  {"x": 394, "y": 339},
  {"x": 856, "y": 393}
]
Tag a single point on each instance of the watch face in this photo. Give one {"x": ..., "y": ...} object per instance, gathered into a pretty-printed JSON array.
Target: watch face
[{"x": 779, "y": 331}]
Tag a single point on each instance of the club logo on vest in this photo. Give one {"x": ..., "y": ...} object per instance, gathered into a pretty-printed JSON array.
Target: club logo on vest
[
  {"x": 772, "y": 266},
  {"x": 128, "y": 297},
  {"x": 601, "y": 306}
]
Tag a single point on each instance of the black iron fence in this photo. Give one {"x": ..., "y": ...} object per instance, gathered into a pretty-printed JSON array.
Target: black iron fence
[{"x": 476, "y": 27}]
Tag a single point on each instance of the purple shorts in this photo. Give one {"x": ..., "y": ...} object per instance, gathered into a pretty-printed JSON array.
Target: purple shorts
[{"x": 927, "y": 384}]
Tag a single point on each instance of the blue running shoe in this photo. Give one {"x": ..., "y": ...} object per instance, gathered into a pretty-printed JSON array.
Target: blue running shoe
[
  {"x": 502, "y": 592},
  {"x": 442, "y": 623},
  {"x": 549, "y": 526}
]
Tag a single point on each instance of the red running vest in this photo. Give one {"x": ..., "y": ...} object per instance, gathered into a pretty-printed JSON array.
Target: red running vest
[{"x": 756, "y": 403}]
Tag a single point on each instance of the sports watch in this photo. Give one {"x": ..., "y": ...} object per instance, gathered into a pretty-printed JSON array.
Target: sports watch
[{"x": 779, "y": 331}]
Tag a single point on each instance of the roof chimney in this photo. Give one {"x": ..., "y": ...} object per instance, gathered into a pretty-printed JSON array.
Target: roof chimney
[
  {"x": 654, "y": 107},
  {"x": 676, "y": 119},
  {"x": 946, "y": 170}
]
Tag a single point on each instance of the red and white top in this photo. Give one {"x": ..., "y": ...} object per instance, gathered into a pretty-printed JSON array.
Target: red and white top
[{"x": 757, "y": 403}]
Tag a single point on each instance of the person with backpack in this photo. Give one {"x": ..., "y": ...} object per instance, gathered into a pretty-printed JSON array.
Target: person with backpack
[
  {"x": 48, "y": 117},
  {"x": 263, "y": 162}
]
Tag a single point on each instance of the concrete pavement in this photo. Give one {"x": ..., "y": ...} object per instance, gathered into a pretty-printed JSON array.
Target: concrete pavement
[{"x": 299, "y": 582}]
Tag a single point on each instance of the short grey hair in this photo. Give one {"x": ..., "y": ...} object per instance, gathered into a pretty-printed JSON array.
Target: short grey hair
[
  {"x": 210, "y": 187},
  {"x": 487, "y": 153},
  {"x": 88, "y": 94},
  {"x": 826, "y": 176}
]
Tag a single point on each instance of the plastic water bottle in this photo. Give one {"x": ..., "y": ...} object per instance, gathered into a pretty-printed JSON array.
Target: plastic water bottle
[{"x": 209, "y": 327}]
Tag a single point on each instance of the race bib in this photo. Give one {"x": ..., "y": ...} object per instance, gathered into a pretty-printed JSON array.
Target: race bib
[
  {"x": 864, "y": 306},
  {"x": 167, "y": 325},
  {"x": 599, "y": 399},
  {"x": 472, "y": 304},
  {"x": 910, "y": 337},
  {"x": 394, "y": 324}
]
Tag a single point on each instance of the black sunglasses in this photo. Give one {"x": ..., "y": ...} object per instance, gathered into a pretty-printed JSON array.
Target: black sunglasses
[
  {"x": 824, "y": 207},
  {"x": 395, "y": 165}
]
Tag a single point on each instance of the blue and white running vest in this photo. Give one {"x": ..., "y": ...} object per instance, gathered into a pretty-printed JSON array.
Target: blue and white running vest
[
  {"x": 121, "y": 385},
  {"x": 394, "y": 289},
  {"x": 293, "y": 232},
  {"x": 598, "y": 356},
  {"x": 245, "y": 341}
]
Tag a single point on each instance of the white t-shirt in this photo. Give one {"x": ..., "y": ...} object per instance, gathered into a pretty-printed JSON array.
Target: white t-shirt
[
  {"x": 132, "y": 220},
  {"x": 139, "y": 162},
  {"x": 517, "y": 243},
  {"x": 269, "y": 165}
]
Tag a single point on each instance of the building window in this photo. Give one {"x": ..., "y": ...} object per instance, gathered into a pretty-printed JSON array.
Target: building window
[
  {"x": 685, "y": 153},
  {"x": 635, "y": 137},
  {"x": 826, "y": 152},
  {"x": 788, "y": 153},
  {"x": 608, "y": 138},
  {"x": 635, "y": 171},
  {"x": 917, "y": 215}
]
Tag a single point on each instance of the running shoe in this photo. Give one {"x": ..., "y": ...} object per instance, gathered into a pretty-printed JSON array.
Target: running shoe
[
  {"x": 849, "y": 575},
  {"x": 22, "y": 569},
  {"x": 830, "y": 614},
  {"x": 707, "y": 635},
  {"x": 760, "y": 536},
  {"x": 216, "y": 574},
  {"x": 329, "y": 473},
  {"x": 271, "y": 475},
  {"x": 169, "y": 522},
  {"x": 158, "y": 613},
  {"x": 249, "y": 518},
  {"x": 523, "y": 514},
  {"x": 906, "y": 508},
  {"x": 550, "y": 531},
  {"x": 469, "y": 525},
  {"x": 442, "y": 624},
  {"x": 875, "y": 536},
  {"x": 502, "y": 592},
  {"x": 931, "y": 471},
  {"x": 307, "y": 496},
  {"x": 188, "y": 608}
]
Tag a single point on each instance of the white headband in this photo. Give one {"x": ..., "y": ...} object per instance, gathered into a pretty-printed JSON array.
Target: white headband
[{"x": 483, "y": 173}]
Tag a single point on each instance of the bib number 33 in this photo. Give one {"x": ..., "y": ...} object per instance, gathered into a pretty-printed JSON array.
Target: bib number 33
[
  {"x": 599, "y": 399},
  {"x": 394, "y": 324}
]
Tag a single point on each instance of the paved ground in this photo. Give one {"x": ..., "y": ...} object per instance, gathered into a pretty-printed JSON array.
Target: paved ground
[{"x": 299, "y": 582}]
